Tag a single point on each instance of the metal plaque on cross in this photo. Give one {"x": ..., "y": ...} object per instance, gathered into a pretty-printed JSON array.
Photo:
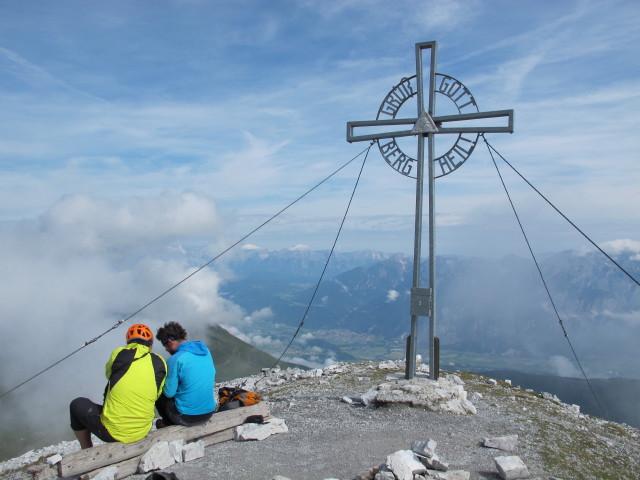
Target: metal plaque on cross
[{"x": 466, "y": 123}]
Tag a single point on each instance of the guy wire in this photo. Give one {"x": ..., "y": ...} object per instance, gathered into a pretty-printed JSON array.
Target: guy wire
[
  {"x": 295, "y": 334},
  {"x": 544, "y": 283},
  {"x": 129, "y": 317}
]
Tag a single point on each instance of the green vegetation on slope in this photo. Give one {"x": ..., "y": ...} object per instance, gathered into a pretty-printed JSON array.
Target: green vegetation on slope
[{"x": 235, "y": 358}]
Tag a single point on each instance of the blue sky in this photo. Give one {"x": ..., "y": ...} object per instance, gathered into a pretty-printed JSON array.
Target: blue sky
[
  {"x": 243, "y": 104},
  {"x": 132, "y": 126}
]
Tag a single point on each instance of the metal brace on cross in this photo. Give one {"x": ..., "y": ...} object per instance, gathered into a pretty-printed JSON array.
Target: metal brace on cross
[{"x": 467, "y": 124}]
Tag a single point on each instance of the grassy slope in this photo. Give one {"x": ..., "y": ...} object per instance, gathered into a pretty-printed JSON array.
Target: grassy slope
[{"x": 235, "y": 358}]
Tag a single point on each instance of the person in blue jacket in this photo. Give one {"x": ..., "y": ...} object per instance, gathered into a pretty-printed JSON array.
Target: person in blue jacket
[{"x": 187, "y": 396}]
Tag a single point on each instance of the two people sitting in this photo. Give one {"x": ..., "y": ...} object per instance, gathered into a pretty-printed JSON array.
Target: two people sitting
[{"x": 138, "y": 381}]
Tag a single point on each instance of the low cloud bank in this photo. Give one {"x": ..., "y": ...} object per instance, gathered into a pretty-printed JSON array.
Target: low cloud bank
[{"x": 74, "y": 272}]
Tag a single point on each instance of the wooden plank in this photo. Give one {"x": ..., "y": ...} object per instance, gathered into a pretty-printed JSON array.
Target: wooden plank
[
  {"x": 218, "y": 437},
  {"x": 130, "y": 466},
  {"x": 125, "y": 468},
  {"x": 111, "y": 453}
]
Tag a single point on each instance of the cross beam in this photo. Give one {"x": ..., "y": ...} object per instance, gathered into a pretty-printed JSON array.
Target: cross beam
[{"x": 425, "y": 126}]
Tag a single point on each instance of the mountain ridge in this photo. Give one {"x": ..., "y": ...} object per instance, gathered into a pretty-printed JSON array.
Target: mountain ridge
[{"x": 486, "y": 306}]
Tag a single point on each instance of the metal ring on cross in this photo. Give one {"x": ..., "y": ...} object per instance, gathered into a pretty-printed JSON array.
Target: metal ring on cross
[{"x": 462, "y": 148}]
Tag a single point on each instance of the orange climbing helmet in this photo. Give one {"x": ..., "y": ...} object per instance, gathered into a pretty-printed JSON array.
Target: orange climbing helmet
[{"x": 139, "y": 331}]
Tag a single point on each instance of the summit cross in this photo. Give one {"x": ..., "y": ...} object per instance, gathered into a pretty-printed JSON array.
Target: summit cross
[{"x": 466, "y": 123}]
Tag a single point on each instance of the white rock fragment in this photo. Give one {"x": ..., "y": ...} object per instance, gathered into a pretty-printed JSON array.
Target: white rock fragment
[
  {"x": 256, "y": 431},
  {"x": 108, "y": 473},
  {"x": 492, "y": 381},
  {"x": 424, "y": 448},
  {"x": 370, "y": 397},
  {"x": 434, "y": 463},
  {"x": 53, "y": 459},
  {"x": 347, "y": 400},
  {"x": 157, "y": 457},
  {"x": 506, "y": 443},
  {"x": 193, "y": 450},
  {"x": 388, "y": 365},
  {"x": 550, "y": 396},
  {"x": 575, "y": 409},
  {"x": 175, "y": 447},
  {"x": 384, "y": 475},
  {"x": 405, "y": 464},
  {"x": 510, "y": 468},
  {"x": 454, "y": 379}
]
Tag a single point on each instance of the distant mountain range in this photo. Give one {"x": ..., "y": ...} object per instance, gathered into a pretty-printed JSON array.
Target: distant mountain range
[{"x": 489, "y": 307}]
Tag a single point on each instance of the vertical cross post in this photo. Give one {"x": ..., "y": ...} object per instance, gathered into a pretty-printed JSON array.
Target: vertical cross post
[
  {"x": 425, "y": 131},
  {"x": 426, "y": 125}
]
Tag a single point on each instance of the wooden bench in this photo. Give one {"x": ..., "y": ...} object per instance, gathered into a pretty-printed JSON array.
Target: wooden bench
[{"x": 126, "y": 456}]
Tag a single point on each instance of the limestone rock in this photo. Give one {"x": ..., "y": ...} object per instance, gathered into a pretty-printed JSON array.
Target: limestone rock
[
  {"x": 108, "y": 473},
  {"x": 434, "y": 463},
  {"x": 53, "y": 459},
  {"x": 175, "y": 447},
  {"x": 443, "y": 395},
  {"x": 388, "y": 365},
  {"x": 370, "y": 397},
  {"x": 347, "y": 400},
  {"x": 424, "y": 448},
  {"x": 193, "y": 450},
  {"x": 260, "y": 431},
  {"x": 550, "y": 396},
  {"x": 157, "y": 457},
  {"x": 384, "y": 475},
  {"x": 506, "y": 443},
  {"x": 405, "y": 464},
  {"x": 510, "y": 468}
]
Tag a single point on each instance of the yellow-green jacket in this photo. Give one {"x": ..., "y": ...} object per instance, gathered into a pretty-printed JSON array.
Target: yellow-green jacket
[{"x": 136, "y": 377}]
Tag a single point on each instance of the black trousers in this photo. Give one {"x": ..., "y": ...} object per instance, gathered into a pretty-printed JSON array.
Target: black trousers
[
  {"x": 171, "y": 416},
  {"x": 85, "y": 415}
]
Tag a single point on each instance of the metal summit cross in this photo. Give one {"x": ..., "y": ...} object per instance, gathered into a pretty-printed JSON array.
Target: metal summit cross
[{"x": 467, "y": 124}]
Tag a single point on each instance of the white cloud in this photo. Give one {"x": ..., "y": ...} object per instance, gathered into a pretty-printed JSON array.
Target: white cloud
[
  {"x": 73, "y": 273},
  {"x": 87, "y": 224},
  {"x": 621, "y": 246},
  {"x": 265, "y": 342},
  {"x": 249, "y": 246},
  {"x": 392, "y": 295},
  {"x": 563, "y": 367},
  {"x": 299, "y": 248},
  {"x": 264, "y": 313}
]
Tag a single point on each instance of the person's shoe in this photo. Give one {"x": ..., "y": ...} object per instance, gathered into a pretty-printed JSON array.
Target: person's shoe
[{"x": 160, "y": 423}]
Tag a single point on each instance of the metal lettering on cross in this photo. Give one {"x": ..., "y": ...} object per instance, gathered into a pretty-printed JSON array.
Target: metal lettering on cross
[{"x": 468, "y": 123}]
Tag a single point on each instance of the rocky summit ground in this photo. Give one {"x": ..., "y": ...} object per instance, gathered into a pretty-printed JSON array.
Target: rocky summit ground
[{"x": 331, "y": 438}]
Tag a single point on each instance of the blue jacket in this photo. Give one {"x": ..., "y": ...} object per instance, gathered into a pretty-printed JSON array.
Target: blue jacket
[{"x": 191, "y": 378}]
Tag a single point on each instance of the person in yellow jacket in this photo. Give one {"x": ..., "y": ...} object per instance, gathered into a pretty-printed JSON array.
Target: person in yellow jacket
[{"x": 135, "y": 379}]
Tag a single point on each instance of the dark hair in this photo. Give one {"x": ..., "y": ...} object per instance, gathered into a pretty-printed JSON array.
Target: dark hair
[
  {"x": 173, "y": 330},
  {"x": 141, "y": 341}
]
